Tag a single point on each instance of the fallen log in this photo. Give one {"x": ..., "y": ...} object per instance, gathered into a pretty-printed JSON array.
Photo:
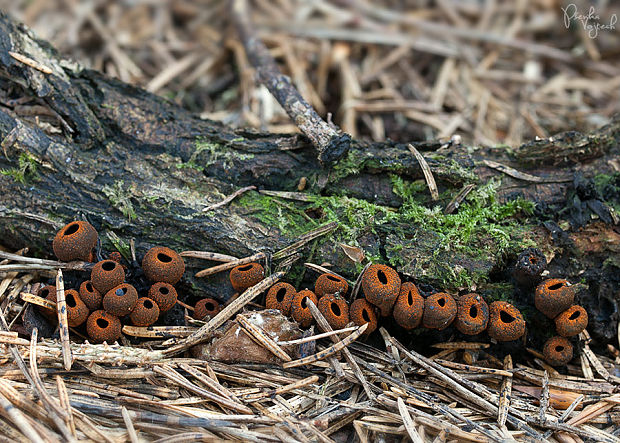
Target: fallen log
[{"x": 78, "y": 145}]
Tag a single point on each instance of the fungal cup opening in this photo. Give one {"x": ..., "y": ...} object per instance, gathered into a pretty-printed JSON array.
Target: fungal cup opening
[
  {"x": 575, "y": 315},
  {"x": 382, "y": 277},
  {"x": 108, "y": 265},
  {"x": 505, "y": 317},
  {"x": 333, "y": 278},
  {"x": 121, "y": 291},
  {"x": 409, "y": 298},
  {"x": 210, "y": 306},
  {"x": 336, "y": 309},
  {"x": 473, "y": 311},
  {"x": 246, "y": 268},
  {"x": 164, "y": 290},
  {"x": 555, "y": 286},
  {"x": 365, "y": 315},
  {"x": 164, "y": 258},
  {"x": 148, "y": 304},
  {"x": 72, "y": 229},
  {"x": 89, "y": 287},
  {"x": 71, "y": 301},
  {"x": 559, "y": 348},
  {"x": 441, "y": 302},
  {"x": 102, "y": 323},
  {"x": 45, "y": 292},
  {"x": 304, "y": 302},
  {"x": 280, "y": 295}
]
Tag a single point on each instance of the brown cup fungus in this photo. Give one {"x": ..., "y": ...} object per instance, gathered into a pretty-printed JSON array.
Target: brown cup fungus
[
  {"x": 409, "y": 307},
  {"x": 439, "y": 311},
  {"x": 106, "y": 274},
  {"x": 505, "y": 322},
  {"x": 206, "y": 307},
  {"x": 361, "y": 312},
  {"x": 245, "y": 276},
  {"x": 120, "y": 300},
  {"x": 145, "y": 313},
  {"x": 554, "y": 296},
  {"x": 280, "y": 297},
  {"x": 558, "y": 351},
  {"x": 102, "y": 326},
  {"x": 335, "y": 309},
  {"x": 164, "y": 294},
  {"x": 90, "y": 296},
  {"x": 162, "y": 264},
  {"x": 572, "y": 321},
  {"x": 472, "y": 314},
  {"x": 381, "y": 286},
  {"x": 77, "y": 311},
  {"x": 330, "y": 284},
  {"x": 300, "y": 310},
  {"x": 76, "y": 241}
]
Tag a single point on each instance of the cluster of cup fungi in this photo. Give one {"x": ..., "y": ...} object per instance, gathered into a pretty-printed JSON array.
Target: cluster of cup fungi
[
  {"x": 385, "y": 295},
  {"x": 104, "y": 300}
]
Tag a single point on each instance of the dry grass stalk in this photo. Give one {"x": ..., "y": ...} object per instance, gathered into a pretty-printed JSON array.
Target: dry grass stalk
[
  {"x": 228, "y": 266},
  {"x": 63, "y": 324},
  {"x": 205, "y": 331},
  {"x": 214, "y": 256},
  {"x": 262, "y": 338}
]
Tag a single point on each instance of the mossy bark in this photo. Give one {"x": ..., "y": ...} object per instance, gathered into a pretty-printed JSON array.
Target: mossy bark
[{"x": 137, "y": 166}]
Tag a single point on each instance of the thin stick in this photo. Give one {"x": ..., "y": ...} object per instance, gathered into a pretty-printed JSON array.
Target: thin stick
[
  {"x": 30, "y": 62},
  {"x": 214, "y": 256},
  {"x": 330, "y": 144},
  {"x": 504, "y": 393},
  {"x": 19, "y": 420},
  {"x": 226, "y": 266},
  {"x": 358, "y": 283},
  {"x": 304, "y": 239},
  {"x": 262, "y": 338},
  {"x": 544, "y": 399},
  {"x": 205, "y": 331},
  {"x": 228, "y": 199},
  {"x": 63, "y": 397},
  {"x": 63, "y": 324},
  {"x": 329, "y": 351},
  {"x": 408, "y": 422},
  {"x": 322, "y": 270},
  {"x": 426, "y": 169},
  {"x": 284, "y": 389},
  {"x": 131, "y": 431},
  {"x": 316, "y": 337}
]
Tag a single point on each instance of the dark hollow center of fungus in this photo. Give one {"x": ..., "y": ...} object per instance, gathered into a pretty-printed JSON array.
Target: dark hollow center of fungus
[
  {"x": 473, "y": 311},
  {"x": 365, "y": 315},
  {"x": 505, "y": 317},
  {"x": 72, "y": 229},
  {"x": 121, "y": 291},
  {"x": 574, "y": 315},
  {"x": 441, "y": 302},
  {"x": 559, "y": 348},
  {"x": 108, "y": 265},
  {"x": 71, "y": 301},
  {"x": 164, "y": 258},
  {"x": 556, "y": 286},
  {"x": 148, "y": 304},
  {"x": 102, "y": 323},
  {"x": 333, "y": 278},
  {"x": 280, "y": 295},
  {"x": 246, "y": 268},
  {"x": 209, "y": 306},
  {"x": 89, "y": 287},
  {"x": 409, "y": 298},
  {"x": 45, "y": 293},
  {"x": 304, "y": 303},
  {"x": 382, "y": 277},
  {"x": 336, "y": 309},
  {"x": 533, "y": 260},
  {"x": 164, "y": 290}
]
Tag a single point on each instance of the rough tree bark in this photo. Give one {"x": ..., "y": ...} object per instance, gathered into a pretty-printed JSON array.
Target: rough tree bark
[{"x": 140, "y": 167}]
